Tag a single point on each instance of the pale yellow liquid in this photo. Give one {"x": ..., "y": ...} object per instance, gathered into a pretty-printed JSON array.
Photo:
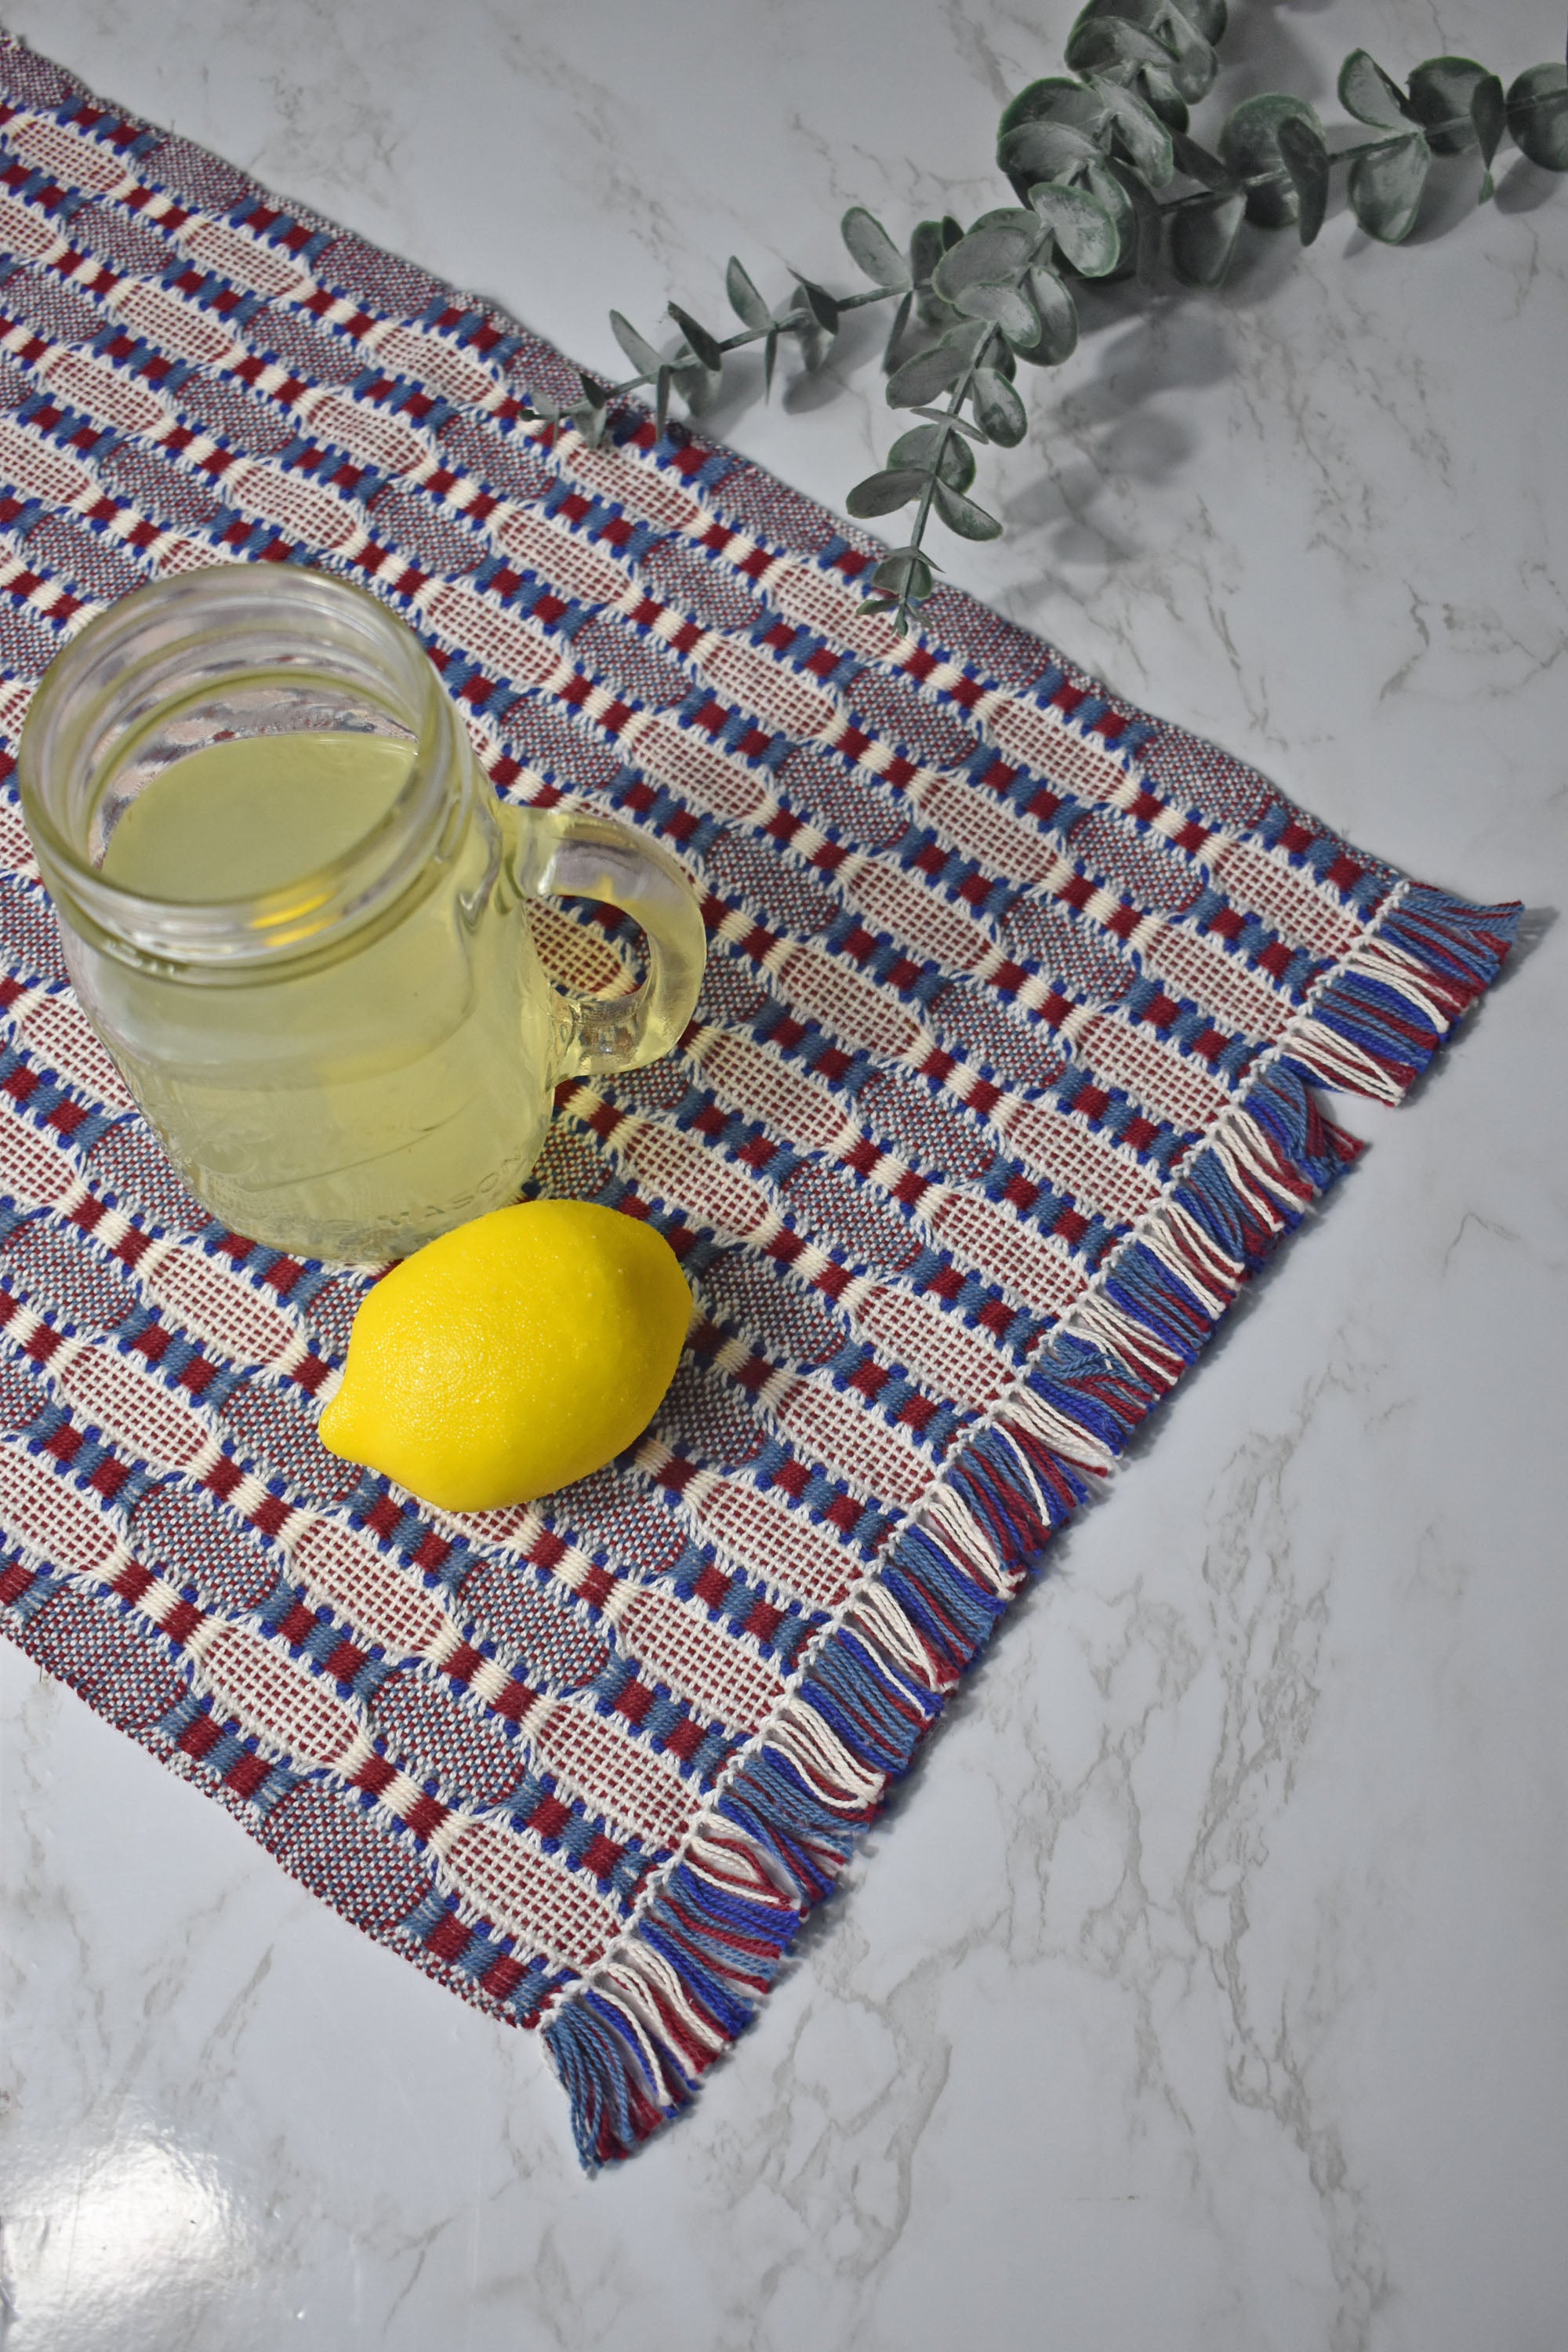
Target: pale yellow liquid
[
  {"x": 241, "y": 818},
  {"x": 383, "y": 1094}
]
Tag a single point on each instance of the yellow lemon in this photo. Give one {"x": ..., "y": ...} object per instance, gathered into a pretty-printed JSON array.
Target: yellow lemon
[{"x": 512, "y": 1355}]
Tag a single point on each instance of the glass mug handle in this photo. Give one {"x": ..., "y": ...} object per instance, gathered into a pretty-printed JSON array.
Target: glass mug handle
[{"x": 566, "y": 852}]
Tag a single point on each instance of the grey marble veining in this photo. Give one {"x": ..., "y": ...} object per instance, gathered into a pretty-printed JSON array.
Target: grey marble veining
[{"x": 1206, "y": 1986}]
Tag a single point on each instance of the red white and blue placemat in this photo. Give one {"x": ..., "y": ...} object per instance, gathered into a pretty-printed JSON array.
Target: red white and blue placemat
[{"x": 1000, "y": 1088}]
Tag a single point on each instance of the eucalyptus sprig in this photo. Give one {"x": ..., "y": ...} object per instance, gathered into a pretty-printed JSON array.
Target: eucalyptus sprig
[{"x": 1109, "y": 184}]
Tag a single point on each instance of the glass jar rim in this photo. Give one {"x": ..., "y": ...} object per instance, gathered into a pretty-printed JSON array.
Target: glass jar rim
[{"x": 317, "y": 627}]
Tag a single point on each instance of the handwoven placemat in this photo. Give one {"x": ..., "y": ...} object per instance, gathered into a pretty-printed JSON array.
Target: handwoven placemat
[{"x": 1000, "y": 1086}]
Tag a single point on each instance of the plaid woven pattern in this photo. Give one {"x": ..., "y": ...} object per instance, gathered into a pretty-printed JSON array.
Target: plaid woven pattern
[{"x": 1000, "y": 1086}]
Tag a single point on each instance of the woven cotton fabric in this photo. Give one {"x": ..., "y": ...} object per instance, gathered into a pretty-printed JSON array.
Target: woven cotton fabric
[{"x": 1001, "y": 1084}]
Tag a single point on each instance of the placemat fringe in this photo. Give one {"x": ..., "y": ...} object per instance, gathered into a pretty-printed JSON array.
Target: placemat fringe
[
  {"x": 1390, "y": 1005},
  {"x": 631, "y": 2041}
]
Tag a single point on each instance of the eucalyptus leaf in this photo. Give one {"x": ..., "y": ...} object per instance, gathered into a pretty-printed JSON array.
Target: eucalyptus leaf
[
  {"x": 961, "y": 515},
  {"x": 705, "y": 347},
  {"x": 820, "y": 303},
  {"x": 884, "y": 493},
  {"x": 1386, "y": 187},
  {"x": 987, "y": 257},
  {"x": 952, "y": 422},
  {"x": 1305, "y": 152},
  {"x": 1441, "y": 91},
  {"x": 662, "y": 381},
  {"x": 813, "y": 338},
  {"x": 933, "y": 444},
  {"x": 878, "y": 604},
  {"x": 1366, "y": 92},
  {"x": 1193, "y": 67},
  {"x": 1004, "y": 307},
  {"x": 1184, "y": 30},
  {"x": 1055, "y": 99},
  {"x": 590, "y": 411},
  {"x": 925, "y": 251},
  {"x": 697, "y": 386},
  {"x": 1015, "y": 217},
  {"x": 873, "y": 250},
  {"x": 1149, "y": 14},
  {"x": 1206, "y": 17},
  {"x": 968, "y": 336},
  {"x": 1250, "y": 148},
  {"x": 1084, "y": 231},
  {"x": 1144, "y": 140},
  {"x": 1202, "y": 236},
  {"x": 640, "y": 353},
  {"x": 905, "y": 573},
  {"x": 1489, "y": 118},
  {"x": 1101, "y": 44},
  {"x": 809, "y": 340},
  {"x": 1045, "y": 150},
  {"x": 1538, "y": 116},
  {"x": 770, "y": 361},
  {"x": 951, "y": 230},
  {"x": 1107, "y": 184},
  {"x": 893, "y": 350},
  {"x": 1058, "y": 315},
  {"x": 744, "y": 299},
  {"x": 1139, "y": 220},
  {"x": 1049, "y": 131},
  {"x": 1158, "y": 86},
  {"x": 931, "y": 310},
  {"x": 1198, "y": 163},
  {"x": 927, "y": 374},
  {"x": 998, "y": 406},
  {"x": 1183, "y": 50}
]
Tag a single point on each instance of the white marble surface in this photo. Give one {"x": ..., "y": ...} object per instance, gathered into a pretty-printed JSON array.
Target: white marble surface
[{"x": 1208, "y": 1988}]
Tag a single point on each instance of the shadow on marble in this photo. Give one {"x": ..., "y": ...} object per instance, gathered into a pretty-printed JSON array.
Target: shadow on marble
[{"x": 1525, "y": 186}]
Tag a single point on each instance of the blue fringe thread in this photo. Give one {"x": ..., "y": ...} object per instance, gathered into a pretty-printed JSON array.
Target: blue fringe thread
[
  {"x": 1459, "y": 948},
  {"x": 631, "y": 2042}
]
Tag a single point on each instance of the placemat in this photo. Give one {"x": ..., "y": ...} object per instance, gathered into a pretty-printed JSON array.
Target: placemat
[{"x": 1000, "y": 1086}]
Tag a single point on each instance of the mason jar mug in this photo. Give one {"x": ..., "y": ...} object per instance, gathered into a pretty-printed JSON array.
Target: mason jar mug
[{"x": 297, "y": 914}]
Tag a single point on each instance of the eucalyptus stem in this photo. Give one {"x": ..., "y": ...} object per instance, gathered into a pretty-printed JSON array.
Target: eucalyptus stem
[
  {"x": 947, "y": 437},
  {"x": 1091, "y": 157},
  {"x": 787, "y": 322}
]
